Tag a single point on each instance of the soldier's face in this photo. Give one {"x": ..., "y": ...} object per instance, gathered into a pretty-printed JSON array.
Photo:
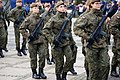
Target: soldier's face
[
  {"x": 35, "y": 10},
  {"x": 47, "y": 7},
  {"x": 61, "y": 8},
  {"x": 96, "y": 5},
  {"x": 19, "y": 4}
]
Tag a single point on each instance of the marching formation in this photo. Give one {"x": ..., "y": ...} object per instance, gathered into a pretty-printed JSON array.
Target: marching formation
[{"x": 50, "y": 24}]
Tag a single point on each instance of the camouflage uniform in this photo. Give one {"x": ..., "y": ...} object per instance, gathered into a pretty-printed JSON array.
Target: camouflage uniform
[
  {"x": 74, "y": 55},
  {"x": 37, "y": 46},
  {"x": 2, "y": 30},
  {"x": 97, "y": 56},
  {"x": 14, "y": 16},
  {"x": 51, "y": 30},
  {"x": 115, "y": 22}
]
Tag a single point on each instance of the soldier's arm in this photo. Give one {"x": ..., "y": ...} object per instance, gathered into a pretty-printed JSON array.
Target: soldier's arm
[
  {"x": 24, "y": 26},
  {"x": 6, "y": 18},
  {"x": 11, "y": 15},
  {"x": 47, "y": 30},
  {"x": 25, "y": 13},
  {"x": 114, "y": 25},
  {"x": 79, "y": 27}
]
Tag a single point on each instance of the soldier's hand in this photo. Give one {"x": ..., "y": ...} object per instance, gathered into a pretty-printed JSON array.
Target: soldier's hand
[
  {"x": 31, "y": 37},
  {"x": 108, "y": 20}
]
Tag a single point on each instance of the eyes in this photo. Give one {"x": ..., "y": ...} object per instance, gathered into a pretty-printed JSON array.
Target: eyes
[
  {"x": 62, "y": 6},
  {"x": 47, "y": 6},
  {"x": 97, "y": 3}
]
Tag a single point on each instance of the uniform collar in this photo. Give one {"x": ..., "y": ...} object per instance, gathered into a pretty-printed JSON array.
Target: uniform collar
[
  {"x": 35, "y": 15},
  {"x": 61, "y": 14},
  {"x": 19, "y": 7},
  {"x": 96, "y": 12}
]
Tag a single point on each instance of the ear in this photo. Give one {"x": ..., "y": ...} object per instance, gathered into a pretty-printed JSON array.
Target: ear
[{"x": 91, "y": 4}]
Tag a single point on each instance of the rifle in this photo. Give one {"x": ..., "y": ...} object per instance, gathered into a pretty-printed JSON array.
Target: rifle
[
  {"x": 38, "y": 27},
  {"x": 97, "y": 32},
  {"x": 58, "y": 39}
]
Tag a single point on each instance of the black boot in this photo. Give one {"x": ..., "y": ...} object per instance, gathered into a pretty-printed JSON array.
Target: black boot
[
  {"x": 5, "y": 49},
  {"x": 48, "y": 61},
  {"x": 87, "y": 72},
  {"x": 114, "y": 72},
  {"x": 34, "y": 74},
  {"x": 19, "y": 52},
  {"x": 41, "y": 74},
  {"x": 58, "y": 77},
  {"x": 64, "y": 75},
  {"x": 23, "y": 51},
  {"x": 1, "y": 53},
  {"x": 72, "y": 70}
]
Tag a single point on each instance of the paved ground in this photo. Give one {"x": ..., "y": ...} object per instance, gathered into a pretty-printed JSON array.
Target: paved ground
[{"x": 13, "y": 67}]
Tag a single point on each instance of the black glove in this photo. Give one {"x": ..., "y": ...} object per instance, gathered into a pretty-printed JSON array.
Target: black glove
[
  {"x": 31, "y": 38},
  {"x": 56, "y": 43}
]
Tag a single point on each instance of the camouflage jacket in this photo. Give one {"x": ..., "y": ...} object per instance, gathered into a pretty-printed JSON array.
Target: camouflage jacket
[
  {"x": 87, "y": 23},
  {"x": 30, "y": 24},
  {"x": 15, "y": 14},
  {"x": 77, "y": 22},
  {"x": 53, "y": 27},
  {"x": 115, "y": 29},
  {"x": 47, "y": 17}
]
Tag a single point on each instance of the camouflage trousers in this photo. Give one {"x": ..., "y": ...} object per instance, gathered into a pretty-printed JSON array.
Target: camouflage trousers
[
  {"x": 85, "y": 61},
  {"x": 17, "y": 39},
  {"x": 98, "y": 63},
  {"x": 6, "y": 41},
  {"x": 2, "y": 37},
  {"x": 34, "y": 50},
  {"x": 114, "y": 58},
  {"x": 74, "y": 51},
  {"x": 118, "y": 60},
  {"x": 58, "y": 55},
  {"x": 47, "y": 55}
]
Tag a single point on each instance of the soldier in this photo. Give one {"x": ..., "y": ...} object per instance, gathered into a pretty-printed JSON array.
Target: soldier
[
  {"x": 96, "y": 56},
  {"x": 115, "y": 30},
  {"x": 73, "y": 46},
  {"x": 2, "y": 29},
  {"x": 51, "y": 30},
  {"x": 37, "y": 46},
  {"x": 74, "y": 55},
  {"x": 5, "y": 11},
  {"x": 47, "y": 7},
  {"x": 17, "y": 15},
  {"x": 82, "y": 39}
]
